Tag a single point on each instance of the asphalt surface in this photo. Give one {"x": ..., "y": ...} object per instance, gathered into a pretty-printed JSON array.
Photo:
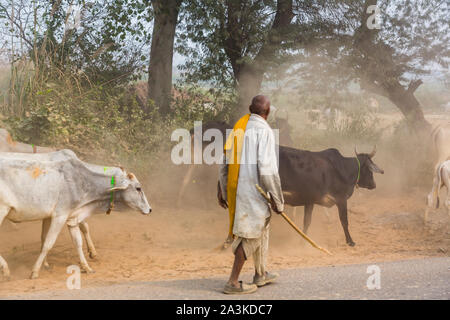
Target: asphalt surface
[{"x": 408, "y": 279}]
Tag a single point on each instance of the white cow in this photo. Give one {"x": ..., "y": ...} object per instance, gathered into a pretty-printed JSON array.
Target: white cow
[
  {"x": 441, "y": 142},
  {"x": 441, "y": 178},
  {"x": 7, "y": 144},
  {"x": 60, "y": 189}
]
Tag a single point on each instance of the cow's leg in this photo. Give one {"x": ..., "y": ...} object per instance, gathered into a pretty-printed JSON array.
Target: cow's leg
[
  {"x": 327, "y": 214},
  {"x": 291, "y": 212},
  {"x": 3, "y": 265},
  {"x": 84, "y": 227},
  {"x": 433, "y": 197},
  {"x": 187, "y": 178},
  {"x": 342, "y": 207},
  {"x": 294, "y": 213},
  {"x": 307, "y": 217},
  {"x": 45, "y": 226},
  {"x": 447, "y": 200},
  {"x": 56, "y": 225},
  {"x": 425, "y": 216},
  {"x": 78, "y": 242},
  {"x": 13, "y": 225},
  {"x": 446, "y": 180}
]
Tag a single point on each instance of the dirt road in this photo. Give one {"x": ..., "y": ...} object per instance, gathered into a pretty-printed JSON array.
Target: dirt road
[
  {"x": 407, "y": 279},
  {"x": 174, "y": 244}
]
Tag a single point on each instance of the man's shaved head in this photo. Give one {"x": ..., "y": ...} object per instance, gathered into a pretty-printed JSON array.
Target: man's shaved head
[{"x": 260, "y": 106}]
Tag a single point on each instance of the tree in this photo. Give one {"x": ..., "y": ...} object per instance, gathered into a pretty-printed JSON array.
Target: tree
[
  {"x": 381, "y": 66},
  {"x": 237, "y": 42},
  {"x": 249, "y": 73},
  {"x": 98, "y": 39},
  {"x": 389, "y": 59},
  {"x": 161, "y": 53}
]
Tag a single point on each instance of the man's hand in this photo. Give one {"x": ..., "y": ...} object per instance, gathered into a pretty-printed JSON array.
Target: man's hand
[
  {"x": 223, "y": 203},
  {"x": 273, "y": 205}
]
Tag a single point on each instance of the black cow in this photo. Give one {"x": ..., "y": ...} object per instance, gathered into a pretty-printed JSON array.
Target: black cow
[{"x": 326, "y": 178}]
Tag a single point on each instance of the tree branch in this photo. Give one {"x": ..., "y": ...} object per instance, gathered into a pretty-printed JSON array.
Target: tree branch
[
  {"x": 21, "y": 31},
  {"x": 413, "y": 85},
  {"x": 373, "y": 87},
  {"x": 283, "y": 18},
  {"x": 231, "y": 43}
]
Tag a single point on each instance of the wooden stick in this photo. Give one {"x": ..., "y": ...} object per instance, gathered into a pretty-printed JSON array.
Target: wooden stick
[{"x": 264, "y": 194}]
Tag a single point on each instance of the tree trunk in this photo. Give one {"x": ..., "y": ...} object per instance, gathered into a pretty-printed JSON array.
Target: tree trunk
[
  {"x": 248, "y": 85},
  {"x": 377, "y": 74},
  {"x": 161, "y": 53},
  {"x": 402, "y": 98},
  {"x": 249, "y": 75},
  {"x": 407, "y": 103}
]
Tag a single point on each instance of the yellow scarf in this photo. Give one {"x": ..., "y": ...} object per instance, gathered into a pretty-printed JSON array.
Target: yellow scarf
[{"x": 233, "y": 149}]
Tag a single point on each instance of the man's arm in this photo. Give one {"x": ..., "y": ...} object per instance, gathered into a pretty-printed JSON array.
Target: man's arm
[
  {"x": 222, "y": 184},
  {"x": 272, "y": 185},
  {"x": 269, "y": 178}
]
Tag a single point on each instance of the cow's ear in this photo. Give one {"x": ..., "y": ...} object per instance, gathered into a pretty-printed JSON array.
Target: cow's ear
[
  {"x": 374, "y": 151},
  {"x": 121, "y": 186},
  {"x": 118, "y": 188},
  {"x": 374, "y": 168}
]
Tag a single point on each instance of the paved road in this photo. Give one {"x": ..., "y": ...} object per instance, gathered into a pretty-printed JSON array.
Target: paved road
[{"x": 408, "y": 279}]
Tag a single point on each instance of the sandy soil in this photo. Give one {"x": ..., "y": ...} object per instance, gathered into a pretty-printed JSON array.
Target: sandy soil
[{"x": 184, "y": 243}]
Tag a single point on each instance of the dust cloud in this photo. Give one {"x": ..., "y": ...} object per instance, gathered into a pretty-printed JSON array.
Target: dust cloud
[{"x": 181, "y": 238}]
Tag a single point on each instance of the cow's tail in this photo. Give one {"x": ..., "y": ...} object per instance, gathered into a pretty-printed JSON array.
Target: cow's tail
[
  {"x": 438, "y": 185},
  {"x": 435, "y": 130},
  {"x": 434, "y": 133}
]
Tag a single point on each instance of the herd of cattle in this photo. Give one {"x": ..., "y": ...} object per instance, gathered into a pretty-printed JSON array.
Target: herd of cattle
[
  {"x": 60, "y": 189},
  {"x": 327, "y": 178},
  {"x": 38, "y": 183}
]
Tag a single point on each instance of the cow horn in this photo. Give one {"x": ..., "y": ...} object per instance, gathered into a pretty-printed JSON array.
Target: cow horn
[
  {"x": 374, "y": 151},
  {"x": 356, "y": 151}
]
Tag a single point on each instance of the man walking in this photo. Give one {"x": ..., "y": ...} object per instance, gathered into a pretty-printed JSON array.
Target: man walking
[{"x": 250, "y": 159}]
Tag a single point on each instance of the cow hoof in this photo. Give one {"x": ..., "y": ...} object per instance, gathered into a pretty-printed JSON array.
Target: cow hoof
[
  {"x": 6, "y": 274},
  {"x": 93, "y": 255},
  {"x": 34, "y": 275},
  {"x": 351, "y": 243},
  {"x": 47, "y": 266},
  {"x": 87, "y": 270}
]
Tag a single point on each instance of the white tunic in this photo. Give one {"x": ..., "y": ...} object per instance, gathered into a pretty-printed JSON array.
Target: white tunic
[{"x": 258, "y": 165}]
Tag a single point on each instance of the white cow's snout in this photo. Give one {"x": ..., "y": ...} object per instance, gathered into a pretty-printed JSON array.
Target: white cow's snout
[
  {"x": 148, "y": 211},
  {"x": 145, "y": 206}
]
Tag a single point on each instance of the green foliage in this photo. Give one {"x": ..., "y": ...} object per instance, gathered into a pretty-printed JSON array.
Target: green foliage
[
  {"x": 73, "y": 88},
  {"x": 193, "y": 103},
  {"x": 221, "y": 38},
  {"x": 100, "y": 123},
  {"x": 203, "y": 37},
  {"x": 100, "y": 39},
  {"x": 412, "y": 40}
]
